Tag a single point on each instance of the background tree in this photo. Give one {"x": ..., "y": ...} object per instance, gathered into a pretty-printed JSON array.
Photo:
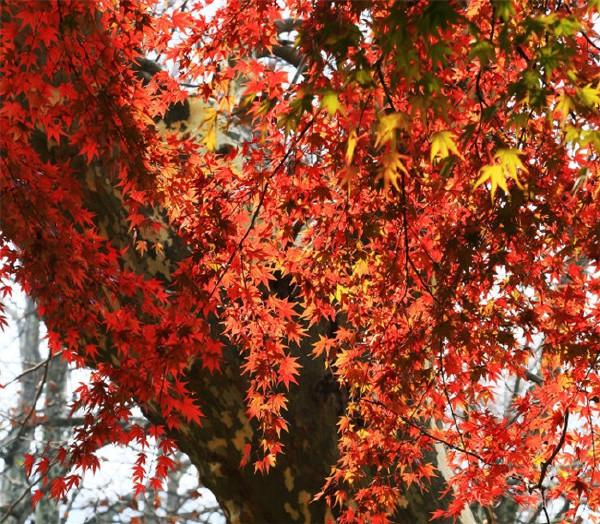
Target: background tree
[
  {"x": 37, "y": 375},
  {"x": 38, "y": 421},
  {"x": 339, "y": 261}
]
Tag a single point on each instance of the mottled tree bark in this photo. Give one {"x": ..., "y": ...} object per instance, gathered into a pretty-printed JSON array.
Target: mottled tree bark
[{"x": 216, "y": 447}]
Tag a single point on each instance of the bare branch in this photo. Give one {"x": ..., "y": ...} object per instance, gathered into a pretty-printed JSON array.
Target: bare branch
[
  {"x": 559, "y": 445},
  {"x": 32, "y": 369},
  {"x": 533, "y": 377}
]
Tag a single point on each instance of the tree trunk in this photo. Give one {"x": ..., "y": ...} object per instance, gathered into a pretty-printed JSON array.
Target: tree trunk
[
  {"x": 285, "y": 494},
  {"x": 52, "y": 435},
  {"x": 216, "y": 447}
]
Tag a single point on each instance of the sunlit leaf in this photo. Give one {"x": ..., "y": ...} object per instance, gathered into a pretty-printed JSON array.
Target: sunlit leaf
[
  {"x": 508, "y": 164},
  {"x": 331, "y": 103},
  {"x": 442, "y": 144}
]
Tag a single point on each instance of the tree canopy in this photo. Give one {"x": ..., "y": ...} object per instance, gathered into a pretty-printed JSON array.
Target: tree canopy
[{"x": 403, "y": 196}]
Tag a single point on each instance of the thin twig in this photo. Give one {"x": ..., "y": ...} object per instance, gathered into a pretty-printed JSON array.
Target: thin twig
[
  {"x": 425, "y": 433},
  {"x": 447, "y": 395},
  {"x": 31, "y": 369},
  {"x": 386, "y": 90},
  {"x": 533, "y": 377},
  {"x": 587, "y": 38},
  {"x": 38, "y": 394},
  {"x": 14, "y": 503},
  {"x": 559, "y": 445}
]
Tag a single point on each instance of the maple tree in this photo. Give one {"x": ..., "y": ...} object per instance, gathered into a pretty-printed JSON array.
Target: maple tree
[{"x": 369, "y": 218}]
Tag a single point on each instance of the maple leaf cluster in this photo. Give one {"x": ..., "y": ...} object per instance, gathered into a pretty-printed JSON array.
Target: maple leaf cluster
[{"x": 420, "y": 175}]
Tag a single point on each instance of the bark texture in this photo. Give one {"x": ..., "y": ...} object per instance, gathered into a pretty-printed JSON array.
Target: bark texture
[{"x": 216, "y": 447}]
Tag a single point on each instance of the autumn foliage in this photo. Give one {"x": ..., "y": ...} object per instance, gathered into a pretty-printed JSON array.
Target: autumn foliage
[{"x": 422, "y": 177}]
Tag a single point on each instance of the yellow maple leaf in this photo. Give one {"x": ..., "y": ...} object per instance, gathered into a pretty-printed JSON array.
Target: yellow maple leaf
[
  {"x": 340, "y": 292},
  {"x": 564, "y": 105},
  {"x": 495, "y": 175},
  {"x": 511, "y": 163},
  {"x": 589, "y": 96},
  {"x": 351, "y": 146},
  {"x": 210, "y": 121},
  {"x": 442, "y": 144},
  {"x": 331, "y": 103},
  {"x": 360, "y": 268},
  {"x": 507, "y": 165},
  {"x": 387, "y": 126},
  {"x": 392, "y": 168}
]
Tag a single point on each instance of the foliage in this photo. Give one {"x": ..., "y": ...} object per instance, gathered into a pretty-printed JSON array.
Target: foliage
[{"x": 363, "y": 181}]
